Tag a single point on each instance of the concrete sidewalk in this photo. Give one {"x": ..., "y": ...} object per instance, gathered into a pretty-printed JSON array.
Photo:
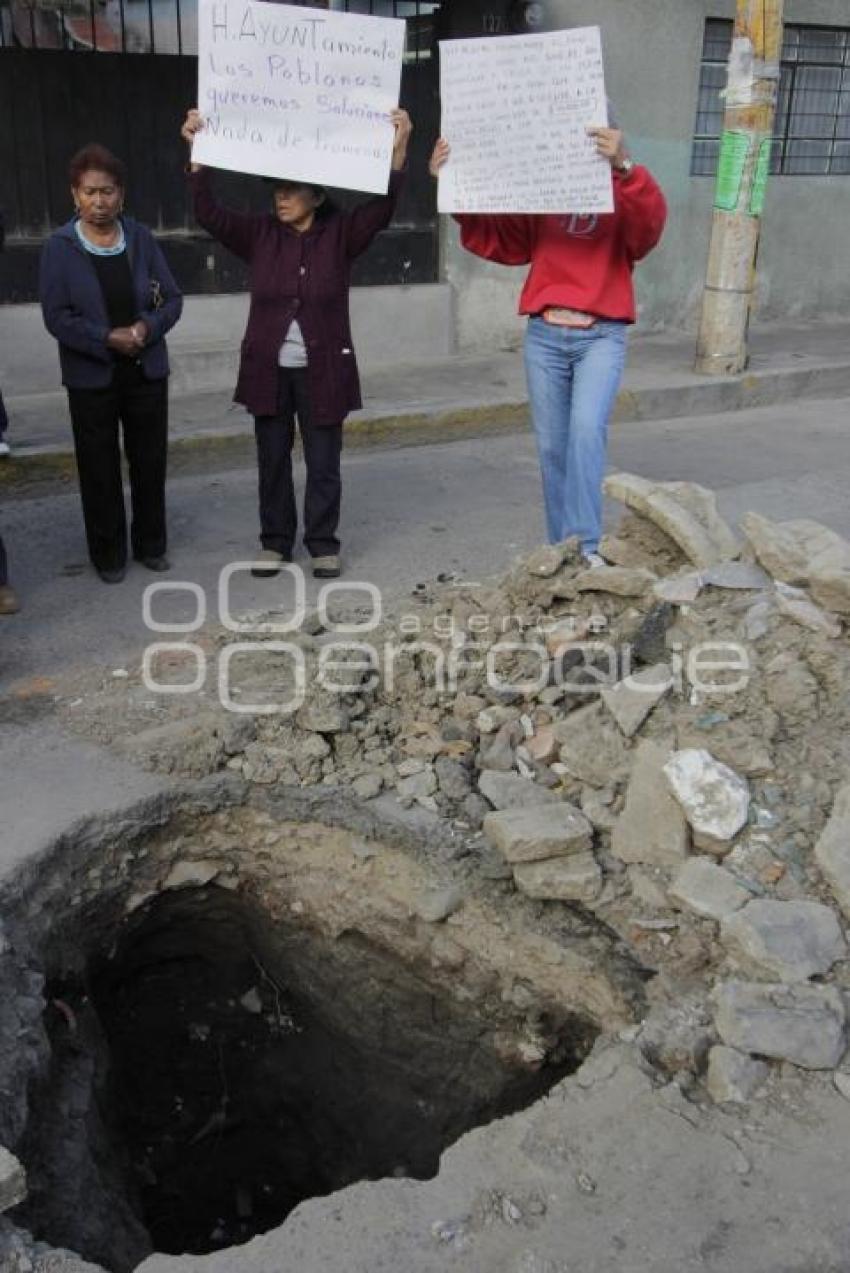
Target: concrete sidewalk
[{"x": 466, "y": 395}]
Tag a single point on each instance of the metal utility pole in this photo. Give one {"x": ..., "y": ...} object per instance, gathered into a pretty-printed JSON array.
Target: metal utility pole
[{"x": 742, "y": 172}]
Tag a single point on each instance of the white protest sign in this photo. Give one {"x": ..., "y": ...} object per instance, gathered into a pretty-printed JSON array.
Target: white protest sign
[
  {"x": 515, "y": 111},
  {"x": 298, "y": 93}
]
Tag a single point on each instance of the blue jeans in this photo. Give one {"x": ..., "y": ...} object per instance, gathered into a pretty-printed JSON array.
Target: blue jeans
[{"x": 573, "y": 378}]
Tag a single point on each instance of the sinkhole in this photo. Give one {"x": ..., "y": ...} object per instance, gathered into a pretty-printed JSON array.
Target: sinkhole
[{"x": 213, "y": 1065}]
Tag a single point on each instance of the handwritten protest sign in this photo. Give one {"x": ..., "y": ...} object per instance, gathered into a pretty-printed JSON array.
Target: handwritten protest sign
[
  {"x": 298, "y": 93},
  {"x": 515, "y": 111}
]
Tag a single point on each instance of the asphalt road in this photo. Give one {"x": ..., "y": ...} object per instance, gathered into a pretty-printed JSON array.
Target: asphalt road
[{"x": 465, "y": 507}]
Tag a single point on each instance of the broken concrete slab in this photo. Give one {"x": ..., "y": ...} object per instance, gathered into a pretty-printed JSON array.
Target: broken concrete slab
[
  {"x": 577, "y": 878},
  {"x": 590, "y": 749},
  {"x": 785, "y": 941},
  {"x": 829, "y": 578},
  {"x": 707, "y": 889},
  {"x": 530, "y": 835},
  {"x": 512, "y": 791},
  {"x": 715, "y": 800},
  {"x": 632, "y": 699},
  {"x": 684, "y": 511},
  {"x": 797, "y": 1023},
  {"x": 786, "y": 549},
  {"x": 652, "y": 828}
]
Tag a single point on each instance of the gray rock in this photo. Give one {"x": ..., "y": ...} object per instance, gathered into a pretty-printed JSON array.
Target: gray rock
[
  {"x": 453, "y": 778},
  {"x": 417, "y": 786},
  {"x": 191, "y": 874},
  {"x": 13, "y": 1181},
  {"x": 530, "y": 835},
  {"x": 436, "y": 904},
  {"x": 367, "y": 786},
  {"x": 801, "y": 1024},
  {"x": 590, "y": 748},
  {"x": 631, "y": 701},
  {"x": 707, "y": 889},
  {"x": 620, "y": 581},
  {"x": 714, "y": 799},
  {"x": 679, "y": 589},
  {"x": 788, "y": 941},
  {"x": 499, "y": 752},
  {"x": 322, "y": 716},
  {"x": 492, "y": 718},
  {"x": 832, "y": 852},
  {"x": 510, "y": 791},
  {"x": 652, "y": 826},
  {"x": 733, "y": 1077},
  {"x": 475, "y": 809},
  {"x": 548, "y": 559},
  {"x": 572, "y": 879}
]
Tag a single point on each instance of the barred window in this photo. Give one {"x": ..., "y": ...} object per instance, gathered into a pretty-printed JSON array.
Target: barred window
[
  {"x": 811, "y": 133},
  {"x": 164, "y": 26}
]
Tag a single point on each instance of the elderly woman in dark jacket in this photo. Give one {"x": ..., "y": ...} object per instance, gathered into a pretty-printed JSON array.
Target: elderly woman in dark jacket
[
  {"x": 297, "y": 356},
  {"x": 108, "y": 297}
]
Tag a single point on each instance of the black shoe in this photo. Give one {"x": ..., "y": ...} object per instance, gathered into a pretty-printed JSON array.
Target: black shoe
[
  {"x": 113, "y": 576},
  {"x": 158, "y": 564}
]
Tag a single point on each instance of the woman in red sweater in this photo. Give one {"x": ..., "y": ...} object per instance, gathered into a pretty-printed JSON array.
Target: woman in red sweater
[{"x": 580, "y": 301}]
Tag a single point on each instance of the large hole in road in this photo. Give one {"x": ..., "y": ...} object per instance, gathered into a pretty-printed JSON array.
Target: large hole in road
[{"x": 238, "y": 1064}]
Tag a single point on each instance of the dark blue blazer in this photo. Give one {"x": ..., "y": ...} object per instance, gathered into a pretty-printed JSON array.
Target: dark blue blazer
[{"x": 75, "y": 312}]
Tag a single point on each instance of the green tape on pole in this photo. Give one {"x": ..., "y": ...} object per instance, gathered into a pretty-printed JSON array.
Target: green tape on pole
[
  {"x": 760, "y": 176},
  {"x": 734, "y": 152}
]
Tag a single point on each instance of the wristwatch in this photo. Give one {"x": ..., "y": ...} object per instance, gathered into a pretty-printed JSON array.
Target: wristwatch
[{"x": 625, "y": 167}]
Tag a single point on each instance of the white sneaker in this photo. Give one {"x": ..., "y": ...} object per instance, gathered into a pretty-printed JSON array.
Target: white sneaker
[
  {"x": 593, "y": 561},
  {"x": 5, "y": 449}
]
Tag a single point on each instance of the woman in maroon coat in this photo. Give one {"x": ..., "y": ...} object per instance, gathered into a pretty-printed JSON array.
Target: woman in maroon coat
[{"x": 297, "y": 356}]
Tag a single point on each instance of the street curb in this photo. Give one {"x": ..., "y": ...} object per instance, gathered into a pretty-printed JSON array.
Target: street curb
[{"x": 214, "y": 451}]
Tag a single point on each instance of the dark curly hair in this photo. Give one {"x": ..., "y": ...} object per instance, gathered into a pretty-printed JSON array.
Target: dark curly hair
[{"x": 95, "y": 157}]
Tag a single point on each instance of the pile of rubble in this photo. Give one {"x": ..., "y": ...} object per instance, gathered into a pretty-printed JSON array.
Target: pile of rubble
[{"x": 662, "y": 742}]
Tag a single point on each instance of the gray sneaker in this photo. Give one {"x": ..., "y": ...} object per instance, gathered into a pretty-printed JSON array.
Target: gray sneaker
[
  {"x": 326, "y": 567},
  {"x": 267, "y": 563}
]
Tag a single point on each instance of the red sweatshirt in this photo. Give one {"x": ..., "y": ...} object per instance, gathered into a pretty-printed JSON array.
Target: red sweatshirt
[{"x": 578, "y": 261}]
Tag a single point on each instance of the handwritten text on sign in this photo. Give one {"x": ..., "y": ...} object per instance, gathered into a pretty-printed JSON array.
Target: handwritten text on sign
[
  {"x": 298, "y": 93},
  {"x": 515, "y": 112}
]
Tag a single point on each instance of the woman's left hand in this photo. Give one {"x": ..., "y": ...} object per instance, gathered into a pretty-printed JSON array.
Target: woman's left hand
[
  {"x": 610, "y": 145},
  {"x": 403, "y": 128}
]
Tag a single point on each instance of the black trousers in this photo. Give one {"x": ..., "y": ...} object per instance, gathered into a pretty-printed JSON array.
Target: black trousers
[
  {"x": 141, "y": 407},
  {"x": 322, "y": 445},
  {"x": 4, "y": 564}
]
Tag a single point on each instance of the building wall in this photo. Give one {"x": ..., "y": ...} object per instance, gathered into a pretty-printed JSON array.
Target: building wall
[{"x": 652, "y": 57}]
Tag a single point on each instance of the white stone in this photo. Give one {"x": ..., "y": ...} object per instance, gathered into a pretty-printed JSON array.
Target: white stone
[
  {"x": 652, "y": 827},
  {"x": 832, "y": 852},
  {"x": 530, "y": 835},
  {"x": 571, "y": 879},
  {"x": 714, "y": 799},
  {"x": 620, "y": 581},
  {"x": 631, "y": 700},
  {"x": 733, "y": 1076},
  {"x": 707, "y": 889},
  {"x": 743, "y": 575},
  {"x": 13, "y": 1181},
  {"x": 801, "y": 1024},
  {"x": 679, "y": 589},
  {"x": 788, "y": 941}
]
